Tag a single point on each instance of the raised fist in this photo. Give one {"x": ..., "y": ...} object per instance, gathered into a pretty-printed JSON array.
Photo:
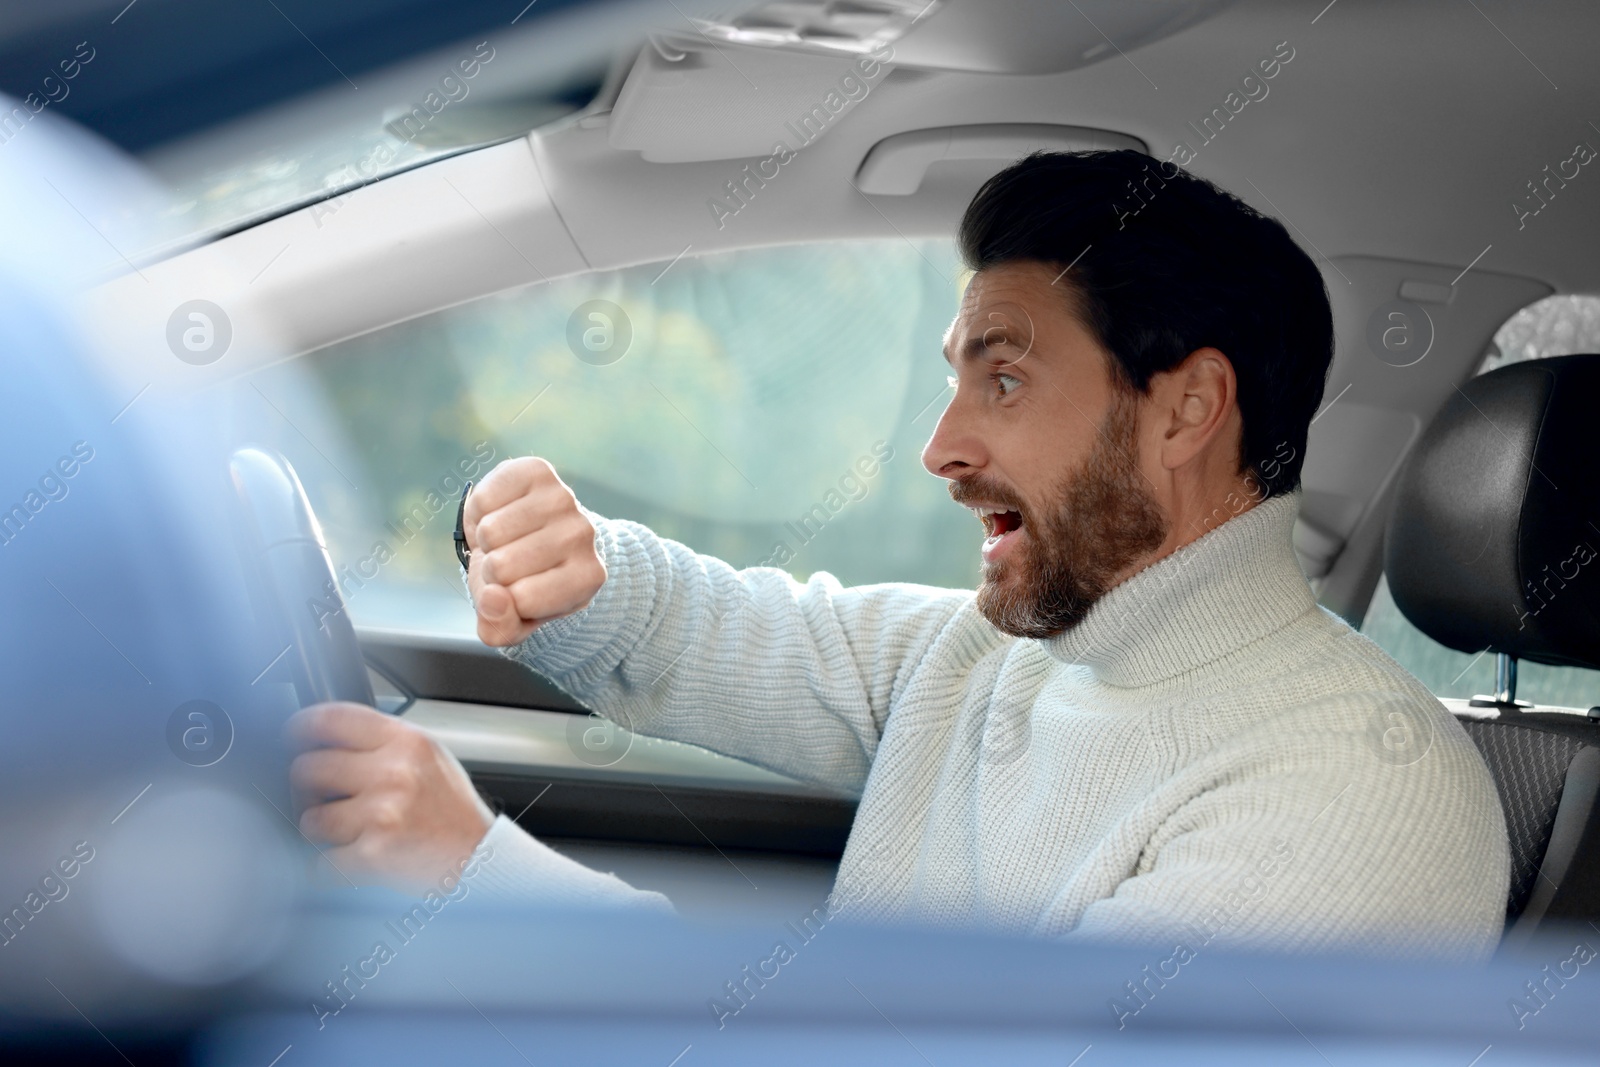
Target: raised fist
[{"x": 533, "y": 555}]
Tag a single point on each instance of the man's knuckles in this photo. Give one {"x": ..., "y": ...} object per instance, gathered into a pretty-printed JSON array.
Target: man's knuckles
[
  {"x": 337, "y": 724},
  {"x": 373, "y": 817},
  {"x": 369, "y": 852},
  {"x": 537, "y": 597},
  {"x": 512, "y": 478},
  {"x": 312, "y": 726},
  {"x": 310, "y": 775},
  {"x": 401, "y": 764},
  {"x": 329, "y": 825},
  {"x": 579, "y": 536},
  {"x": 404, "y": 763},
  {"x": 567, "y": 544},
  {"x": 527, "y": 470},
  {"x": 584, "y": 580},
  {"x": 540, "y": 508},
  {"x": 504, "y": 526},
  {"x": 388, "y": 812}
]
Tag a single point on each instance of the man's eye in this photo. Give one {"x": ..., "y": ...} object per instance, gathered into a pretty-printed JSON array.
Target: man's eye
[{"x": 1005, "y": 383}]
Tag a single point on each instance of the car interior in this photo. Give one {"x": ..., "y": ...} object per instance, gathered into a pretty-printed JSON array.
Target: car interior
[
  {"x": 717, "y": 278},
  {"x": 700, "y": 257}
]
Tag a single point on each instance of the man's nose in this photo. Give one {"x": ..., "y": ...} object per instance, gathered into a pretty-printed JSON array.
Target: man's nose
[{"x": 955, "y": 449}]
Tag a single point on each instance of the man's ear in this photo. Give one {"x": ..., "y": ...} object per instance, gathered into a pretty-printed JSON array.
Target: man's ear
[{"x": 1195, "y": 403}]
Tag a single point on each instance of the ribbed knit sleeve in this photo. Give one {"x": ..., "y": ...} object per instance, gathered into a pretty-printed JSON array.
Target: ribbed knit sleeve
[{"x": 795, "y": 678}]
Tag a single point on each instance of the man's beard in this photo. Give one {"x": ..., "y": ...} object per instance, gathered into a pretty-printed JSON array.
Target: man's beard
[{"x": 1097, "y": 522}]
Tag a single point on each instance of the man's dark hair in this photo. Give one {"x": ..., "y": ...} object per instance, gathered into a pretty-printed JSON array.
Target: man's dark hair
[{"x": 1164, "y": 263}]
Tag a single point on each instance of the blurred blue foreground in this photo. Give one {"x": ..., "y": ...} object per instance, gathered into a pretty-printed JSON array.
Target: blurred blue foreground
[{"x": 481, "y": 985}]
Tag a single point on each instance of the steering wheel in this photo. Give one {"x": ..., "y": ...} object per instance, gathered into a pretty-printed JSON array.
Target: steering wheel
[{"x": 293, "y": 583}]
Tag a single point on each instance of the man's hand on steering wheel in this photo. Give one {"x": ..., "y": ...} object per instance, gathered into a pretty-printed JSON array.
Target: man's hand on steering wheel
[{"x": 391, "y": 802}]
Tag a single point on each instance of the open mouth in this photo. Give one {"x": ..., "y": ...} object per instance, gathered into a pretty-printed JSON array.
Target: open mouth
[{"x": 999, "y": 523}]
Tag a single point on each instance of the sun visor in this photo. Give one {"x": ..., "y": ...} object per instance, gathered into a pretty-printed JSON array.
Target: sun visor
[
  {"x": 686, "y": 102},
  {"x": 734, "y": 87},
  {"x": 982, "y": 36}
]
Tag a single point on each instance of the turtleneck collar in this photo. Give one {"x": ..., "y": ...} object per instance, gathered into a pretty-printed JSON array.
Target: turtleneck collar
[{"x": 1215, "y": 595}]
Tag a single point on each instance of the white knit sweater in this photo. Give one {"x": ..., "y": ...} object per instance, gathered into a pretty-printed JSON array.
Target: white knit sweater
[{"x": 1209, "y": 757}]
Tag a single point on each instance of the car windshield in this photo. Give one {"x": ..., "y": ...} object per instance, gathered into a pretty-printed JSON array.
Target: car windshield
[
  {"x": 215, "y": 192},
  {"x": 340, "y": 138},
  {"x": 765, "y": 406},
  {"x": 309, "y": 152}
]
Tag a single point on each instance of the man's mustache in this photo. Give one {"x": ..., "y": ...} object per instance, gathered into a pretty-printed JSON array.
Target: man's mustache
[{"x": 975, "y": 489}]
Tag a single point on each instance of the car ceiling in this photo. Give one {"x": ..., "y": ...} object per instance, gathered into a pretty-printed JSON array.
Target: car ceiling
[{"x": 1402, "y": 129}]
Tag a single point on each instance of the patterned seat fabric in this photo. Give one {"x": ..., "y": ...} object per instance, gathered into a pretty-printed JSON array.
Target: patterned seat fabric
[{"x": 1529, "y": 768}]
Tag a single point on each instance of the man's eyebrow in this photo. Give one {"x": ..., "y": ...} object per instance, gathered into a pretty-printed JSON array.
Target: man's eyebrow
[{"x": 974, "y": 347}]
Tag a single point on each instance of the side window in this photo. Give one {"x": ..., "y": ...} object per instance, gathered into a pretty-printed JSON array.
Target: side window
[
  {"x": 1554, "y": 326},
  {"x": 765, "y": 406}
]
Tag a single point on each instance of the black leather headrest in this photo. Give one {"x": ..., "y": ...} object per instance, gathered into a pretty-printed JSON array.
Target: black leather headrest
[{"x": 1495, "y": 537}]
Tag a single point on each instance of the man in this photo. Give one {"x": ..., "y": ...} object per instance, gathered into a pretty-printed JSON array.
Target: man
[{"x": 1141, "y": 726}]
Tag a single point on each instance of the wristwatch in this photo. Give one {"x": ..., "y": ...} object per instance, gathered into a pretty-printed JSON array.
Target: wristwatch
[{"x": 463, "y": 553}]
